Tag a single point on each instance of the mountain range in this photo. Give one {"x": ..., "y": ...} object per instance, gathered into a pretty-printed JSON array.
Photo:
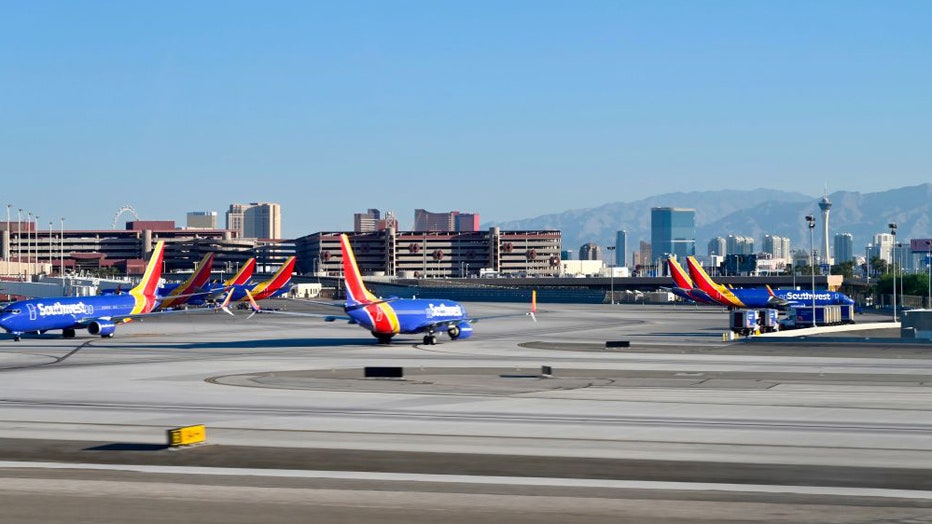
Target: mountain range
[{"x": 753, "y": 213}]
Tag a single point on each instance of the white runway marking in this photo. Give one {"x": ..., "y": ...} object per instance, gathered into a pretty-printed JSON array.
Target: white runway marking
[{"x": 486, "y": 480}]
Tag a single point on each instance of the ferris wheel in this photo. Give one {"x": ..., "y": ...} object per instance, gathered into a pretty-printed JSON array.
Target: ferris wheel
[{"x": 126, "y": 208}]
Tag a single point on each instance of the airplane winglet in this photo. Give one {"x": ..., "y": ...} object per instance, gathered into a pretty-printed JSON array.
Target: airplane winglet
[
  {"x": 224, "y": 306},
  {"x": 533, "y": 312},
  {"x": 252, "y": 303}
]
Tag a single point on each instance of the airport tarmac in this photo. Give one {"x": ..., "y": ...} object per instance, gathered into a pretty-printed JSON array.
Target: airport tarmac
[{"x": 724, "y": 431}]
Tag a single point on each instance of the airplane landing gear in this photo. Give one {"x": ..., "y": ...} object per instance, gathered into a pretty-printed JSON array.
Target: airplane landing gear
[
  {"x": 68, "y": 333},
  {"x": 430, "y": 340},
  {"x": 16, "y": 338}
]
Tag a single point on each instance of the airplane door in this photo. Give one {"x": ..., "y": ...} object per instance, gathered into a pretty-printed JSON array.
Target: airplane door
[{"x": 33, "y": 313}]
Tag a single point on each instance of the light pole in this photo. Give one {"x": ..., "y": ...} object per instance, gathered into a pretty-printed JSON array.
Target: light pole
[
  {"x": 50, "y": 248},
  {"x": 892, "y": 226},
  {"x": 19, "y": 235},
  {"x": 811, "y": 221},
  {"x": 611, "y": 274},
  {"x": 28, "y": 237},
  {"x": 61, "y": 255},
  {"x": 929, "y": 265}
]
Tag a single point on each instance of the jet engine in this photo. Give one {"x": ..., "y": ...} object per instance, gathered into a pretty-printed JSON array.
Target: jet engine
[
  {"x": 460, "y": 330},
  {"x": 104, "y": 328}
]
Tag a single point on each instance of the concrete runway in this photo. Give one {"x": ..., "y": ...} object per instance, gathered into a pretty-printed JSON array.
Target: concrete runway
[{"x": 782, "y": 432}]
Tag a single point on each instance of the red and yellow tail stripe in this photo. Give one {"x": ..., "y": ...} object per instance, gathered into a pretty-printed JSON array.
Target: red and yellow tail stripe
[
  {"x": 717, "y": 291},
  {"x": 243, "y": 275},
  {"x": 195, "y": 281},
  {"x": 280, "y": 278},
  {"x": 145, "y": 293},
  {"x": 680, "y": 278},
  {"x": 382, "y": 316}
]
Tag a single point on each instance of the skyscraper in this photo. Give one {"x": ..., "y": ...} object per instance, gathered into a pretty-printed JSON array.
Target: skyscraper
[
  {"x": 673, "y": 232},
  {"x": 255, "y": 220},
  {"x": 452, "y": 221},
  {"x": 621, "y": 248},
  {"x": 777, "y": 246},
  {"x": 844, "y": 247},
  {"x": 825, "y": 205},
  {"x": 739, "y": 245},
  {"x": 590, "y": 251},
  {"x": 366, "y": 222},
  {"x": 717, "y": 246},
  {"x": 234, "y": 218},
  {"x": 263, "y": 220}
]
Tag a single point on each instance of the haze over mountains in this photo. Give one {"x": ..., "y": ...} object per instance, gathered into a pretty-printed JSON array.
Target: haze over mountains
[{"x": 752, "y": 213}]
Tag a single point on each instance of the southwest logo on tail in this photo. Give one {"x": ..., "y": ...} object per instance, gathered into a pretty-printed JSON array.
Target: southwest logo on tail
[{"x": 99, "y": 314}]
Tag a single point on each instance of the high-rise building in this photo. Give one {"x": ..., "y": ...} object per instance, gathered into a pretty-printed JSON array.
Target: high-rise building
[
  {"x": 883, "y": 247},
  {"x": 844, "y": 247},
  {"x": 739, "y": 245},
  {"x": 234, "y": 218},
  {"x": 717, "y": 247},
  {"x": 590, "y": 251},
  {"x": 673, "y": 232},
  {"x": 826, "y": 206},
  {"x": 263, "y": 220},
  {"x": 777, "y": 246},
  {"x": 202, "y": 219},
  {"x": 621, "y": 248},
  {"x": 645, "y": 254},
  {"x": 366, "y": 222},
  {"x": 466, "y": 222},
  {"x": 255, "y": 220},
  {"x": 453, "y": 221}
]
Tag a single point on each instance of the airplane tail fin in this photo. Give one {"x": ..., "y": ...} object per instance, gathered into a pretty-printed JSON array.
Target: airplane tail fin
[
  {"x": 680, "y": 278},
  {"x": 278, "y": 281},
  {"x": 702, "y": 279},
  {"x": 202, "y": 275},
  {"x": 243, "y": 275},
  {"x": 146, "y": 291},
  {"x": 356, "y": 292}
]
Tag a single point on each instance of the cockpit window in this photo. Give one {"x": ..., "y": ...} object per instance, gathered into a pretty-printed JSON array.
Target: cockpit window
[{"x": 11, "y": 311}]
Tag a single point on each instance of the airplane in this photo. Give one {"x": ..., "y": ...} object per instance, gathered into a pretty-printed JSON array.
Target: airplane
[
  {"x": 174, "y": 295},
  {"x": 761, "y": 297},
  {"x": 385, "y": 318},
  {"x": 100, "y": 315},
  {"x": 684, "y": 287}
]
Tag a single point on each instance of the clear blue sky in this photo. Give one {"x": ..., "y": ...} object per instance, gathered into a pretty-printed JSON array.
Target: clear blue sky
[{"x": 511, "y": 109}]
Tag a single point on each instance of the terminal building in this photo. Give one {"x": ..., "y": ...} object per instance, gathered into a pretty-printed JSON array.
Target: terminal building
[
  {"x": 435, "y": 254},
  {"x": 125, "y": 251}
]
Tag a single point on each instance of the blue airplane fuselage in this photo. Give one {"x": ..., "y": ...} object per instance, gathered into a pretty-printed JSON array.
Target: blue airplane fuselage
[
  {"x": 413, "y": 315},
  {"x": 43, "y": 314},
  {"x": 783, "y": 298}
]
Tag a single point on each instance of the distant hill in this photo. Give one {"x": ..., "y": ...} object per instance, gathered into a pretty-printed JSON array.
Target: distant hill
[{"x": 749, "y": 213}]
